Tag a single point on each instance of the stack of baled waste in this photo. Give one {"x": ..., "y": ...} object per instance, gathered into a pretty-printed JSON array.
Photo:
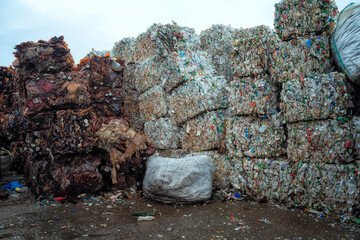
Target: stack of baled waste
[
  {"x": 179, "y": 91},
  {"x": 253, "y": 129},
  {"x": 316, "y": 105},
  {"x": 66, "y": 144}
]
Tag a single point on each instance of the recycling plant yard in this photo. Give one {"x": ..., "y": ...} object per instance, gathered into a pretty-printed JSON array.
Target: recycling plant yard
[{"x": 232, "y": 133}]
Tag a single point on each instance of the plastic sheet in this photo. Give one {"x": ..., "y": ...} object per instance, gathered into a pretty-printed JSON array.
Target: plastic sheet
[
  {"x": 300, "y": 18},
  {"x": 99, "y": 53},
  {"x": 43, "y": 57},
  {"x": 251, "y": 50},
  {"x": 316, "y": 97},
  {"x": 344, "y": 42},
  {"x": 257, "y": 96},
  {"x": 163, "y": 133},
  {"x": 254, "y": 137},
  {"x": 218, "y": 42},
  {"x": 327, "y": 141},
  {"x": 300, "y": 57},
  {"x": 153, "y": 104},
  {"x": 204, "y": 132}
]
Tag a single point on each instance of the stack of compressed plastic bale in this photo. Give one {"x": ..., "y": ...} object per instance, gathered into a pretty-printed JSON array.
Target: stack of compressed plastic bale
[
  {"x": 304, "y": 30},
  {"x": 218, "y": 41},
  {"x": 178, "y": 89},
  {"x": 316, "y": 106},
  {"x": 251, "y": 129}
]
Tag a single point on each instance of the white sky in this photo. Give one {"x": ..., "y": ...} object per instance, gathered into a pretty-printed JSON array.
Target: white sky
[{"x": 98, "y": 24}]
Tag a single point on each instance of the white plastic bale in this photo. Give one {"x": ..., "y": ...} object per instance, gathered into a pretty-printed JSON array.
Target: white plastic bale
[
  {"x": 223, "y": 165},
  {"x": 255, "y": 96},
  {"x": 300, "y": 57},
  {"x": 319, "y": 185},
  {"x": 163, "y": 133},
  {"x": 316, "y": 97},
  {"x": 254, "y": 137},
  {"x": 328, "y": 141},
  {"x": 204, "y": 132},
  {"x": 345, "y": 44},
  {"x": 197, "y": 96},
  {"x": 124, "y": 49},
  {"x": 301, "y": 18},
  {"x": 218, "y": 41},
  {"x": 153, "y": 103},
  {"x": 250, "y": 51},
  {"x": 270, "y": 179}
]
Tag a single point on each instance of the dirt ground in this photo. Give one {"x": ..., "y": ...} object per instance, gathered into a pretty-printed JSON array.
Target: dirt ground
[{"x": 96, "y": 218}]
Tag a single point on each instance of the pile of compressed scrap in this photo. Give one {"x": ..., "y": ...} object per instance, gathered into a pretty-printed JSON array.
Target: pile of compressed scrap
[
  {"x": 319, "y": 167},
  {"x": 179, "y": 91},
  {"x": 61, "y": 121}
]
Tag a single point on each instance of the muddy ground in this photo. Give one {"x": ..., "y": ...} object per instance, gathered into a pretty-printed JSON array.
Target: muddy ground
[{"x": 95, "y": 217}]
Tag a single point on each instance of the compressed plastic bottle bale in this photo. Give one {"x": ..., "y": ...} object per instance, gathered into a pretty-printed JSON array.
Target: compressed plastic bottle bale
[
  {"x": 269, "y": 179},
  {"x": 48, "y": 92},
  {"x": 250, "y": 51},
  {"x": 255, "y": 96},
  {"x": 218, "y": 42},
  {"x": 179, "y": 180},
  {"x": 196, "y": 97},
  {"x": 316, "y": 97},
  {"x": 159, "y": 40},
  {"x": 163, "y": 133},
  {"x": 124, "y": 49},
  {"x": 51, "y": 56},
  {"x": 204, "y": 132},
  {"x": 300, "y": 57},
  {"x": 328, "y": 141},
  {"x": 356, "y": 132},
  {"x": 301, "y": 18},
  {"x": 254, "y": 137},
  {"x": 344, "y": 42},
  {"x": 148, "y": 74},
  {"x": 319, "y": 185},
  {"x": 153, "y": 103}
]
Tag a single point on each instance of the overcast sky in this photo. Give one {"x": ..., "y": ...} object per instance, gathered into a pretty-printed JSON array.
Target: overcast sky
[{"x": 99, "y": 24}]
